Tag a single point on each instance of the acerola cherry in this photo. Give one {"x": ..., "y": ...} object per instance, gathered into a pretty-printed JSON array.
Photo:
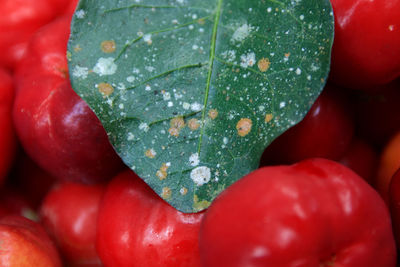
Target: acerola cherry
[
  {"x": 314, "y": 213},
  {"x": 326, "y": 131},
  {"x": 56, "y": 127},
  {"x": 20, "y": 19},
  {"x": 138, "y": 228},
  {"x": 366, "y": 49},
  {"x": 24, "y": 243},
  {"x": 69, "y": 213}
]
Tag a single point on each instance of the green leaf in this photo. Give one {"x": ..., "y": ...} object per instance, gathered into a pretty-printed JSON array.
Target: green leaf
[{"x": 190, "y": 92}]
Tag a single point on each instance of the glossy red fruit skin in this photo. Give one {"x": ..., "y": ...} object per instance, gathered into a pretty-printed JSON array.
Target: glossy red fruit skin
[
  {"x": 64, "y": 7},
  {"x": 362, "y": 159},
  {"x": 8, "y": 141},
  {"x": 394, "y": 202},
  {"x": 314, "y": 213},
  {"x": 57, "y": 129},
  {"x": 137, "y": 228},
  {"x": 20, "y": 19},
  {"x": 25, "y": 243},
  {"x": 366, "y": 48},
  {"x": 69, "y": 214},
  {"x": 326, "y": 131}
]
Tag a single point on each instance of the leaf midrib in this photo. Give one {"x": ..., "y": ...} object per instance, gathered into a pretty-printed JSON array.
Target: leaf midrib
[{"x": 211, "y": 65}]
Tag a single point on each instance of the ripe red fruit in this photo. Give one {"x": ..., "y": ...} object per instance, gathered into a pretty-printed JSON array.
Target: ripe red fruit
[
  {"x": 314, "y": 213},
  {"x": 137, "y": 228},
  {"x": 69, "y": 214},
  {"x": 56, "y": 127},
  {"x": 366, "y": 49},
  {"x": 326, "y": 131},
  {"x": 24, "y": 243},
  {"x": 20, "y": 19}
]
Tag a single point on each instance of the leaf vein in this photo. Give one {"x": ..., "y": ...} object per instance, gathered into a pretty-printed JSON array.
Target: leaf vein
[
  {"x": 151, "y": 6},
  {"x": 198, "y": 65},
  {"x": 211, "y": 63},
  {"x": 180, "y": 26}
]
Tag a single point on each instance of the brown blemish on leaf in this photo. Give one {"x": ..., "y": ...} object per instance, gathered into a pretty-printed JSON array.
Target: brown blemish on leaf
[
  {"x": 184, "y": 191},
  {"x": 162, "y": 172},
  {"x": 244, "y": 126},
  {"x": 166, "y": 193},
  {"x": 176, "y": 125},
  {"x": 108, "y": 46},
  {"x": 200, "y": 205},
  {"x": 177, "y": 122},
  {"x": 193, "y": 124},
  {"x": 77, "y": 48},
  {"x": 150, "y": 153},
  {"x": 287, "y": 55},
  {"x": 263, "y": 64},
  {"x": 201, "y": 21},
  {"x": 173, "y": 132},
  {"x": 105, "y": 88},
  {"x": 213, "y": 113},
  {"x": 268, "y": 117}
]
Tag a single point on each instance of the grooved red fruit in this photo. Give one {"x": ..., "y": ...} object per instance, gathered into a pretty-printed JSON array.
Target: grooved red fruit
[
  {"x": 310, "y": 214},
  {"x": 366, "y": 49},
  {"x": 56, "y": 127},
  {"x": 69, "y": 213},
  {"x": 326, "y": 131},
  {"x": 20, "y": 19},
  {"x": 24, "y": 243},
  {"x": 137, "y": 228}
]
